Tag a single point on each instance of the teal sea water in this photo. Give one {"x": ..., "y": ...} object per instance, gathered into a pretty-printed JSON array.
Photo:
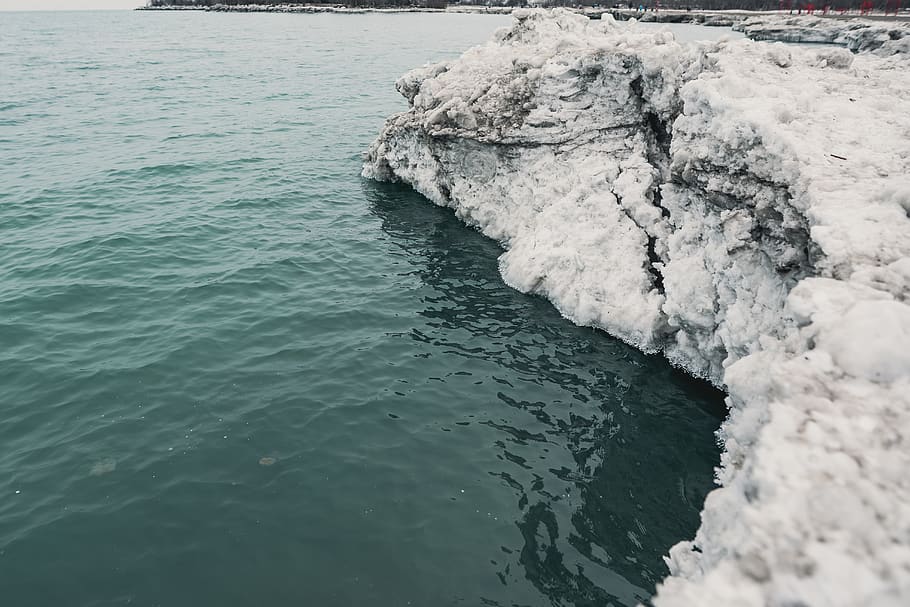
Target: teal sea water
[{"x": 234, "y": 373}]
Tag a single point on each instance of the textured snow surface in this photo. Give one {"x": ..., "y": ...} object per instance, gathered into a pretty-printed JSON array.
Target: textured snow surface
[
  {"x": 882, "y": 37},
  {"x": 743, "y": 208}
]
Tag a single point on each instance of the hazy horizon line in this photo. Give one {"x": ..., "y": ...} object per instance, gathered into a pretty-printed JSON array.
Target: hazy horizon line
[{"x": 64, "y": 10}]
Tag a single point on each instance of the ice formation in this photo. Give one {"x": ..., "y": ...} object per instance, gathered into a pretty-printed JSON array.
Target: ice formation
[
  {"x": 741, "y": 207},
  {"x": 859, "y": 35}
]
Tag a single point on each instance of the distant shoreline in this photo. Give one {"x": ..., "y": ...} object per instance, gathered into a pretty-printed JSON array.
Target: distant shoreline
[
  {"x": 328, "y": 8},
  {"x": 719, "y": 18}
]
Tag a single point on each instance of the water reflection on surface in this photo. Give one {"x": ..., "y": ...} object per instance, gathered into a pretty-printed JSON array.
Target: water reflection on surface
[{"x": 608, "y": 453}]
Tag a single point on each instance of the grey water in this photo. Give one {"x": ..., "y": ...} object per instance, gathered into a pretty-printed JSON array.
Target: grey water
[{"x": 234, "y": 373}]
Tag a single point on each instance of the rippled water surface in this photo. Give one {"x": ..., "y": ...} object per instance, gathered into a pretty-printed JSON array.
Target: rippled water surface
[{"x": 234, "y": 373}]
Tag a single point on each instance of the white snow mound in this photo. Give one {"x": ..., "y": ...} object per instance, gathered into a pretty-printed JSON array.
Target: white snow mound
[{"x": 741, "y": 207}]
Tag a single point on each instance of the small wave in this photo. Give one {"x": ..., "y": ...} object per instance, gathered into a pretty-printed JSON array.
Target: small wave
[
  {"x": 243, "y": 161},
  {"x": 182, "y": 136},
  {"x": 156, "y": 170}
]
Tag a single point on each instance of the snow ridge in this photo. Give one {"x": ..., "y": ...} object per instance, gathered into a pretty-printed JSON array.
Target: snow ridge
[{"x": 743, "y": 208}]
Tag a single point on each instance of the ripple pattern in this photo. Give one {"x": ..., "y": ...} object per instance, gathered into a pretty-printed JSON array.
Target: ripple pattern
[{"x": 233, "y": 373}]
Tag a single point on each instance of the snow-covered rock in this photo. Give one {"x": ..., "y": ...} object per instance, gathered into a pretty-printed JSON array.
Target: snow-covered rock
[
  {"x": 743, "y": 208},
  {"x": 859, "y": 35}
]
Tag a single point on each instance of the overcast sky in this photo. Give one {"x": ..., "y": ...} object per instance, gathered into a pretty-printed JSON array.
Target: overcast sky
[{"x": 66, "y": 5}]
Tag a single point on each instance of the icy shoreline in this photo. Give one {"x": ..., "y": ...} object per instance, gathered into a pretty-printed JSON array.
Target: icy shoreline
[
  {"x": 858, "y": 35},
  {"x": 742, "y": 208}
]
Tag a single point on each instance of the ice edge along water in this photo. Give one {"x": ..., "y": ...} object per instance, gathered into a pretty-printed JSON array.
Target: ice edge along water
[
  {"x": 741, "y": 207},
  {"x": 859, "y": 35}
]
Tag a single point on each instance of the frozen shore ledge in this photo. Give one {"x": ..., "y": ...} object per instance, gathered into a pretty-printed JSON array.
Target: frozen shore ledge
[
  {"x": 858, "y": 35},
  {"x": 741, "y": 207}
]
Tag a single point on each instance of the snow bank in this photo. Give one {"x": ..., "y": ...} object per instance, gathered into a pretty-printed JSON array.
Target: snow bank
[
  {"x": 741, "y": 207},
  {"x": 858, "y": 35}
]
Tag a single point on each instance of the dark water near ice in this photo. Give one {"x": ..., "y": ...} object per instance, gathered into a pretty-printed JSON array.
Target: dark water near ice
[{"x": 234, "y": 373}]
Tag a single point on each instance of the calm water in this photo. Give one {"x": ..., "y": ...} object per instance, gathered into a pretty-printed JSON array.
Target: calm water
[{"x": 234, "y": 373}]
